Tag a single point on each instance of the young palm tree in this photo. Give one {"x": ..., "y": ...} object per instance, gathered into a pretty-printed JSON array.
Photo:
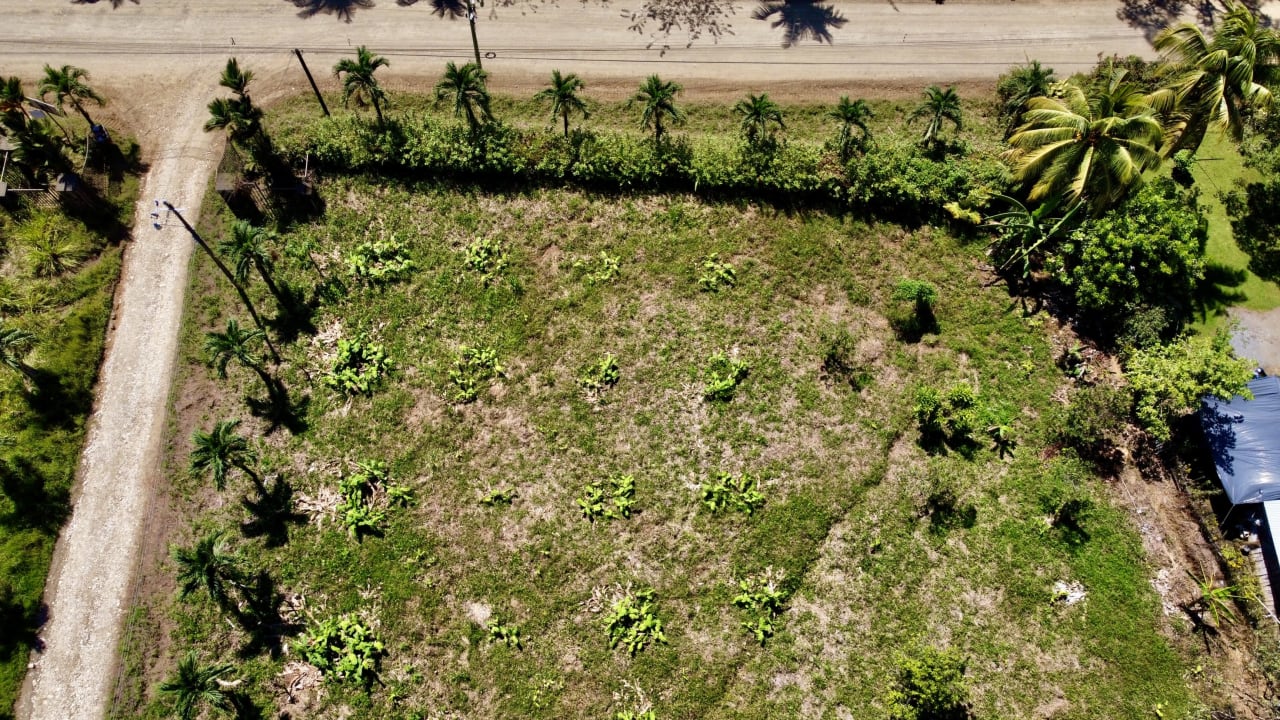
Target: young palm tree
[
  {"x": 851, "y": 115},
  {"x": 939, "y": 105},
  {"x": 221, "y": 449},
  {"x": 69, "y": 83},
  {"x": 1019, "y": 86},
  {"x": 563, "y": 94},
  {"x": 246, "y": 247},
  {"x": 37, "y": 147},
  {"x": 237, "y": 344},
  {"x": 1086, "y": 149},
  {"x": 239, "y": 117},
  {"x": 13, "y": 100},
  {"x": 359, "y": 82},
  {"x": 209, "y": 567},
  {"x": 195, "y": 685},
  {"x": 658, "y": 97},
  {"x": 14, "y": 346},
  {"x": 760, "y": 118},
  {"x": 235, "y": 79},
  {"x": 466, "y": 85},
  {"x": 1219, "y": 78}
]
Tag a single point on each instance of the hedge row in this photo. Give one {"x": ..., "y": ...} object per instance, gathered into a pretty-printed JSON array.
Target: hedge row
[{"x": 895, "y": 180}]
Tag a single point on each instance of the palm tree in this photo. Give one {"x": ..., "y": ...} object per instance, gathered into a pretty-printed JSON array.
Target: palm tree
[
  {"x": 209, "y": 567},
  {"x": 759, "y": 116},
  {"x": 194, "y": 685},
  {"x": 939, "y": 105},
  {"x": 658, "y": 97},
  {"x": 1219, "y": 78},
  {"x": 237, "y": 344},
  {"x": 235, "y": 79},
  {"x": 70, "y": 83},
  {"x": 563, "y": 94},
  {"x": 1086, "y": 149},
  {"x": 14, "y": 346},
  {"x": 850, "y": 115},
  {"x": 238, "y": 116},
  {"x": 359, "y": 82},
  {"x": 12, "y": 98},
  {"x": 220, "y": 450},
  {"x": 1019, "y": 86},
  {"x": 246, "y": 248},
  {"x": 466, "y": 85}
]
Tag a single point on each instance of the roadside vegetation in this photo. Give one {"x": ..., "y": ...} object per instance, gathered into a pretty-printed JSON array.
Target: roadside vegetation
[
  {"x": 653, "y": 410},
  {"x": 59, "y": 261}
]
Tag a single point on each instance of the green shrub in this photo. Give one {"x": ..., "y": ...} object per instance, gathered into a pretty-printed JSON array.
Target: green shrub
[
  {"x": 605, "y": 269},
  {"x": 1095, "y": 421},
  {"x": 496, "y": 497},
  {"x": 716, "y": 274},
  {"x": 647, "y": 714},
  {"x": 930, "y": 685},
  {"x": 612, "y": 499},
  {"x": 472, "y": 367},
  {"x": 360, "y": 509},
  {"x": 723, "y": 377},
  {"x": 633, "y": 622},
  {"x": 952, "y": 416},
  {"x": 600, "y": 375},
  {"x": 922, "y": 294},
  {"x": 380, "y": 261},
  {"x": 358, "y": 368},
  {"x": 508, "y": 635},
  {"x": 762, "y": 598},
  {"x": 487, "y": 258},
  {"x": 344, "y": 648},
  {"x": 1169, "y": 380},
  {"x": 899, "y": 181},
  {"x": 839, "y": 358},
  {"x": 723, "y": 492}
]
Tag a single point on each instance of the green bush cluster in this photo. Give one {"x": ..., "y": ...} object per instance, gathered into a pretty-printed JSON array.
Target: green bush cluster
[
  {"x": 474, "y": 365},
  {"x": 508, "y": 635},
  {"x": 723, "y": 377},
  {"x": 1169, "y": 380},
  {"x": 612, "y": 499},
  {"x": 633, "y": 622},
  {"x": 380, "y": 261},
  {"x": 894, "y": 179},
  {"x": 601, "y": 374},
  {"x": 723, "y": 491},
  {"x": 930, "y": 685},
  {"x": 359, "y": 366},
  {"x": 487, "y": 258},
  {"x": 716, "y": 274},
  {"x": 952, "y": 416},
  {"x": 344, "y": 647},
  {"x": 762, "y": 598},
  {"x": 358, "y": 510}
]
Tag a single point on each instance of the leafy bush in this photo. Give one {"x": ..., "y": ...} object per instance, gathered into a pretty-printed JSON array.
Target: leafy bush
[
  {"x": 647, "y": 714},
  {"x": 358, "y": 368},
  {"x": 605, "y": 269},
  {"x": 600, "y": 375},
  {"x": 762, "y": 597},
  {"x": 496, "y": 497},
  {"x": 472, "y": 367},
  {"x": 612, "y": 499},
  {"x": 900, "y": 182},
  {"x": 725, "y": 492},
  {"x": 1147, "y": 252},
  {"x": 952, "y": 416},
  {"x": 1169, "y": 380},
  {"x": 922, "y": 294},
  {"x": 508, "y": 635},
  {"x": 345, "y": 648},
  {"x": 633, "y": 622},
  {"x": 723, "y": 377},
  {"x": 930, "y": 685},
  {"x": 716, "y": 274},
  {"x": 486, "y": 257},
  {"x": 359, "y": 509},
  {"x": 1255, "y": 212},
  {"x": 380, "y": 261},
  {"x": 1095, "y": 421}
]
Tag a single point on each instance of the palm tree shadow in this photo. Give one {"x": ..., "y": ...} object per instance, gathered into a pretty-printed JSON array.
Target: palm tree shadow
[
  {"x": 1218, "y": 290},
  {"x": 342, "y": 9},
  {"x": 268, "y": 629},
  {"x": 452, "y": 9},
  {"x": 114, "y": 3},
  {"x": 35, "y": 505},
  {"x": 294, "y": 314},
  {"x": 281, "y": 410},
  {"x": 801, "y": 19},
  {"x": 22, "y": 623},
  {"x": 271, "y": 513}
]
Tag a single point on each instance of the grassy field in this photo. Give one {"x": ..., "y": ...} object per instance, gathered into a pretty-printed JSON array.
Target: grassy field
[
  {"x": 56, "y": 282},
  {"x": 1219, "y": 170},
  {"x": 883, "y": 543}
]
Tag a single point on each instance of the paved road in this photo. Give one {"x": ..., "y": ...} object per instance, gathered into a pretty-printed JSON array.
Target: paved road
[{"x": 158, "y": 61}]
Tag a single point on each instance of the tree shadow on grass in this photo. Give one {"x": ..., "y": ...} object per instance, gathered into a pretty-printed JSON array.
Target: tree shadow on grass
[
  {"x": 801, "y": 19},
  {"x": 54, "y": 404},
  {"x": 21, "y": 622},
  {"x": 271, "y": 513},
  {"x": 35, "y": 506},
  {"x": 1217, "y": 291},
  {"x": 268, "y": 629},
  {"x": 341, "y": 9},
  {"x": 280, "y": 409},
  {"x": 294, "y": 314}
]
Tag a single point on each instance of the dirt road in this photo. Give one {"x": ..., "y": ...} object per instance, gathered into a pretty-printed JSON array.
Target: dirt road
[{"x": 158, "y": 61}]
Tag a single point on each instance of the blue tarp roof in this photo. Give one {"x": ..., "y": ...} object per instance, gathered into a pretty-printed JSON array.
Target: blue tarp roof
[{"x": 1244, "y": 437}]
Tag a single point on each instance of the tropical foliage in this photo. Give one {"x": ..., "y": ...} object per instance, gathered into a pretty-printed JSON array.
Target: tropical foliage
[{"x": 358, "y": 81}]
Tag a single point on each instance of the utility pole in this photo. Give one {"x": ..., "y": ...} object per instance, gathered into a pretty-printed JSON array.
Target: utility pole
[
  {"x": 312, "y": 80},
  {"x": 471, "y": 17},
  {"x": 217, "y": 261}
]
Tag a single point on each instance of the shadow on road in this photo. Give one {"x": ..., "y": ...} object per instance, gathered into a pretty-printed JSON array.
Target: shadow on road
[
  {"x": 1152, "y": 16},
  {"x": 114, "y": 3},
  {"x": 452, "y": 9},
  {"x": 801, "y": 20},
  {"x": 342, "y": 9}
]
